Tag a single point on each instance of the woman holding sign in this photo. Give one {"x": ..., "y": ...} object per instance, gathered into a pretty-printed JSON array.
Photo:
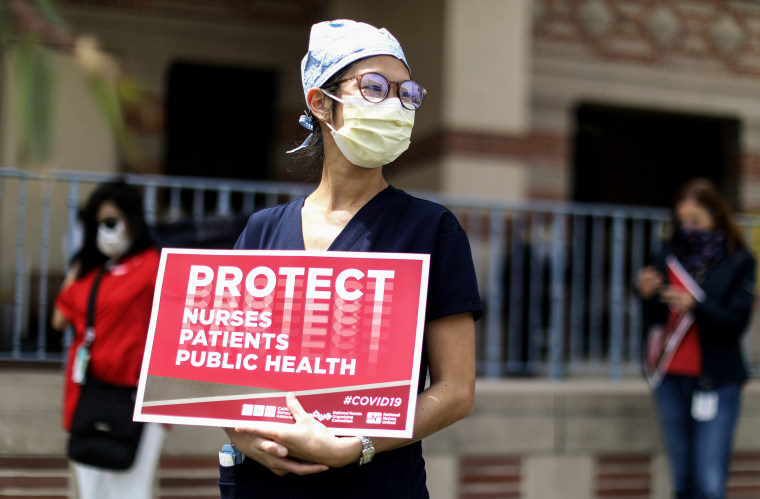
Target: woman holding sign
[
  {"x": 361, "y": 105},
  {"x": 699, "y": 299}
]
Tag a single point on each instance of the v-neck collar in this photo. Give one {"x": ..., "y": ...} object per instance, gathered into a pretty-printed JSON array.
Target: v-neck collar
[{"x": 353, "y": 229}]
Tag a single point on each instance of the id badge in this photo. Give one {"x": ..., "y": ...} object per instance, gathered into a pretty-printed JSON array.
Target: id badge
[
  {"x": 704, "y": 406},
  {"x": 81, "y": 360}
]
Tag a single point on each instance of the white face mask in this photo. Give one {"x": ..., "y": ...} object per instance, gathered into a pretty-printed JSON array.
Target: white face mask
[
  {"x": 113, "y": 241},
  {"x": 373, "y": 134}
]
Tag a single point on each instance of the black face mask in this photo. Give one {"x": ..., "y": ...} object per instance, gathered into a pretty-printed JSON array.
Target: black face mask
[{"x": 699, "y": 250}]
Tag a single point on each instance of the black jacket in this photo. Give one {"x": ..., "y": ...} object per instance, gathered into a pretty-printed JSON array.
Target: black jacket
[{"x": 722, "y": 317}]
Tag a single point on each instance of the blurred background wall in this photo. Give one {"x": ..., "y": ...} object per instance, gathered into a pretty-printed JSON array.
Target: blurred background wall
[{"x": 528, "y": 98}]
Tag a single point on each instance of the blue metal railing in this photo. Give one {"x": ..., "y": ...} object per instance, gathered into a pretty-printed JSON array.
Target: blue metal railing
[
  {"x": 168, "y": 202},
  {"x": 556, "y": 278}
]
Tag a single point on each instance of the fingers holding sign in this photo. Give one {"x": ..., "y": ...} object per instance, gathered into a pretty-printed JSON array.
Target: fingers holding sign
[
  {"x": 305, "y": 447},
  {"x": 269, "y": 453},
  {"x": 678, "y": 298}
]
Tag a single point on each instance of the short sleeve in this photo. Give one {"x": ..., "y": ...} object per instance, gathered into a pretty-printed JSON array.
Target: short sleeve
[
  {"x": 71, "y": 301},
  {"x": 453, "y": 286}
]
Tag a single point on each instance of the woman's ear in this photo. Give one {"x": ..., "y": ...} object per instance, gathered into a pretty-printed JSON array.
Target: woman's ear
[{"x": 319, "y": 104}]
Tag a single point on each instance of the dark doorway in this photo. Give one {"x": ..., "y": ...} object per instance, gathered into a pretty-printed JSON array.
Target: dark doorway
[
  {"x": 219, "y": 121},
  {"x": 218, "y": 124},
  {"x": 640, "y": 157}
]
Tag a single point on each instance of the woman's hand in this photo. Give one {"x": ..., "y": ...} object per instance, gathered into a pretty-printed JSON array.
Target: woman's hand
[
  {"x": 678, "y": 298},
  {"x": 649, "y": 282},
  {"x": 71, "y": 275},
  {"x": 304, "y": 448},
  {"x": 269, "y": 453},
  {"x": 58, "y": 321},
  {"x": 298, "y": 448}
]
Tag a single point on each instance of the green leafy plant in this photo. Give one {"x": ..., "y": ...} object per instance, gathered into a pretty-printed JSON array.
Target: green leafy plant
[{"x": 29, "y": 30}]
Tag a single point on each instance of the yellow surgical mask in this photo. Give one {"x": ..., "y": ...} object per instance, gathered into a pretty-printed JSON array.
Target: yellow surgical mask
[{"x": 373, "y": 134}]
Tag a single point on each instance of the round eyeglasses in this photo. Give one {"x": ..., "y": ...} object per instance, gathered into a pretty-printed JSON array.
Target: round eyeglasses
[{"x": 375, "y": 88}]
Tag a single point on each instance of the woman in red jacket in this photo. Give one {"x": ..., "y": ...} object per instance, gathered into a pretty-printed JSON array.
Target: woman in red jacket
[{"x": 116, "y": 243}]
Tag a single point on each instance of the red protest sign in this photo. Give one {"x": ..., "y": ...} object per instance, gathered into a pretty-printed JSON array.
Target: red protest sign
[{"x": 233, "y": 331}]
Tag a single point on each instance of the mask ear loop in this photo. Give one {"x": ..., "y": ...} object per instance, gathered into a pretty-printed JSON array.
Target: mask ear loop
[
  {"x": 333, "y": 97},
  {"x": 338, "y": 99},
  {"x": 308, "y": 120}
]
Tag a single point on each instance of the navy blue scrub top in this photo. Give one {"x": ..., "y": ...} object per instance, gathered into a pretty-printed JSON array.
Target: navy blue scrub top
[{"x": 394, "y": 222}]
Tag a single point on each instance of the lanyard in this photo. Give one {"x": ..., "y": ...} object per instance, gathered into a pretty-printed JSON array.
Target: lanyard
[{"x": 89, "y": 331}]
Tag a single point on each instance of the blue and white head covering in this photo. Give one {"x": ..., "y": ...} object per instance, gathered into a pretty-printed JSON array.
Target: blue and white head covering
[{"x": 333, "y": 45}]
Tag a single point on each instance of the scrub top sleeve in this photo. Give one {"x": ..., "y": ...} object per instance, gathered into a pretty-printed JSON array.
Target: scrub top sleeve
[
  {"x": 65, "y": 306},
  {"x": 452, "y": 286},
  {"x": 240, "y": 243}
]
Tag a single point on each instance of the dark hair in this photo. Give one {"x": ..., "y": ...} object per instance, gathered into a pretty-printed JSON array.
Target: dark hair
[
  {"x": 129, "y": 202},
  {"x": 706, "y": 194},
  {"x": 313, "y": 155}
]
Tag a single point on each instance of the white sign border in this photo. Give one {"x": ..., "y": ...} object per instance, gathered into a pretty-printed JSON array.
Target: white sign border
[{"x": 407, "y": 432}]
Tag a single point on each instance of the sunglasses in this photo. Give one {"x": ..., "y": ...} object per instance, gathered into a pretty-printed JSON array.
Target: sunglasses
[
  {"x": 109, "y": 223},
  {"x": 375, "y": 88}
]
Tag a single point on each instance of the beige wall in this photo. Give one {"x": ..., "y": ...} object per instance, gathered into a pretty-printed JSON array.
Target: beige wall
[
  {"x": 486, "y": 60},
  {"x": 470, "y": 177},
  {"x": 575, "y": 67},
  {"x": 473, "y": 57},
  {"x": 80, "y": 140},
  {"x": 418, "y": 26},
  {"x": 485, "y": 179},
  {"x": 149, "y": 46},
  {"x": 556, "y": 429},
  {"x": 487, "y": 65}
]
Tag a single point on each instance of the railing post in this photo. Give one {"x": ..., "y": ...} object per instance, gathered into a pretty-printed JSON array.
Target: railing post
[
  {"x": 175, "y": 203},
  {"x": 71, "y": 247},
  {"x": 516, "y": 298},
  {"x": 537, "y": 290},
  {"x": 73, "y": 204},
  {"x": 493, "y": 367},
  {"x": 42, "y": 310},
  {"x": 557, "y": 318},
  {"x": 150, "y": 204},
  {"x": 578, "y": 294},
  {"x": 617, "y": 301},
  {"x": 596, "y": 291},
  {"x": 223, "y": 201},
  {"x": 636, "y": 244},
  {"x": 199, "y": 200},
  {"x": 18, "y": 303}
]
